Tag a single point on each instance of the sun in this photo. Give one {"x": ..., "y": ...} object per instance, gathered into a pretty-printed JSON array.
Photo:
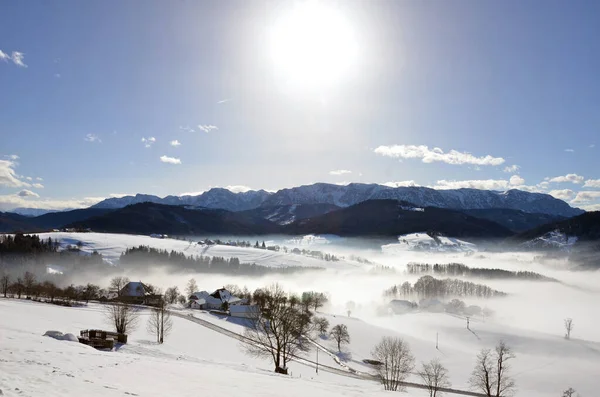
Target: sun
[{"x": 313, "y": 46}]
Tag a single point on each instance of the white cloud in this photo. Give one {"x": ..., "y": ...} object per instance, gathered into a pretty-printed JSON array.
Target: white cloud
[
  {"x": 488, "y": 184},
  {"x": 17, "y": 58},
  {"x": 191, "y": 193},
  {"x": 175, "y": 143},
  {"x": 207, "y": 127},
  {"x": 238, "y": 188},
  {"x": 27, "y": 193},
  {"x": 594, "y": 183},
  {"x": 170, "y": 160},
  {"x": 119, "y": 195},
  {"x": 186, "y": 128},
  {"x": 586, "y": 196},
  {"x": 12, "y": 157},
  {"x": 92, "y": 138},
  {"x": 8, "y": 177},
  {"x": 400, "y": 184},
  {"x": 38, "y": 179},
  {"x": 563, "y": 194},
  {"x": 223, "y": 101},
  {"x": 339, "y": 172},
  {"x": 148, "y": 141},
  {"x": 436, "y": 155},
  {"x": 511, "y": 168},
  {"x": 516, "y": 180},
  {"x": 12, "y": 201},
  {"x": 37, "y": 186},
  {"x": 570, "y": 150},
  {"x": 544, "y": 184},
  {"x": 573, "y": 178},
  {"x": 29, "y": 178},
  {"x": 591, "y": 207}
]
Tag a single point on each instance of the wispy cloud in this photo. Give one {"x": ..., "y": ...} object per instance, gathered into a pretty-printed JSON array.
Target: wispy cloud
[
  {"x": 148, "y": 141},
  {"x": 37, "y": 185},
  {"x": 29, "y": 178},
  {"x": 592, "y": 146},
  {"x": 39, "y": 179},
  {"x": 119, "y": 195},
  {"x": 175, "y": 143},
  {"x": 92, "y": 138},
  {"x": 223, "y": 101},
  {"x": 594, "y": 183},
  {"x": 207, "y": 127},
  {"x": 186, "y": 129},
  {"x": 572, "y": 178},
  {"x": 27, "y": 193},
  {"x": 170, "y": 160},
  {"x": 340, "y": 172},
  {"x": 586, "y": 197},
  {"x": 57, "y": 75},
  {"x": 238, "y": 188},
  {"x": 8, "y": 177},
  {"x": 570, "y": 150},
  {"x": 11, "y": 201},
  {"x": 511, "y": 168},
  {"x": 436, "y": 155},
  {"x": 563, "y": 194},
  {"x": 401, "y": 184},
  {"x": 487, "y": 184},
  {"x": 16, "y": 57}
]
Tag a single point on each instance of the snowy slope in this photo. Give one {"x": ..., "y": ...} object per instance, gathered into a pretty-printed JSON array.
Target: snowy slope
[
  {"x": 553, "y": 239},
  {"x": 424, "y": 242},
  {"x": 193, "y": 361},
  {"x": 112, "y": 245}
]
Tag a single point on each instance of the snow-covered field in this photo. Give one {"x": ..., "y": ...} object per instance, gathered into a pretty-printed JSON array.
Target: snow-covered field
[
  {"x": 424, "y": 242},
  {"x": 112, "y": 245}
]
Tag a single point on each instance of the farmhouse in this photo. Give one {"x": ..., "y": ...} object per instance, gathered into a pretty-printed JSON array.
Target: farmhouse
[
  {"x": 244, "y": 311},
  {"x": 205, "y": 301},
  {"x": 136, "y": 292}
]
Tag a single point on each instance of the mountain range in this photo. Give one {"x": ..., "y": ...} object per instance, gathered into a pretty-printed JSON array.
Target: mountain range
[{"x": 354, "y": 193}]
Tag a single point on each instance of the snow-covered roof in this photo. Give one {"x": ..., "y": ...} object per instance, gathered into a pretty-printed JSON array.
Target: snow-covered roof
[{"x": 134, "y": 288}]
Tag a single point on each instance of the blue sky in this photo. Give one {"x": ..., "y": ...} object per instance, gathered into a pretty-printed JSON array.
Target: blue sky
[{"x": 436, "y": 93}]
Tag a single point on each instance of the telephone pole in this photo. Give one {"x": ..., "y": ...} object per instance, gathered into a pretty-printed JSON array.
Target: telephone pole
[{"x": 317, "y": 360}]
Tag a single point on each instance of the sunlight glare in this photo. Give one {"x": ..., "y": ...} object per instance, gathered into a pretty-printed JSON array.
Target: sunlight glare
[{"x": 313, "y": 46}]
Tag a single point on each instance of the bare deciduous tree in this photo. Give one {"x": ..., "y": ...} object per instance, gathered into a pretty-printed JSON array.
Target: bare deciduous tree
[
  {"x": 570, "y": 392},
  {"x": 490, "y": 374},
  {"x": 4, "y": 283},
  {"x": 396, "y": 362},
  {"x": 277, "y": 330},
  {"x": 435, "y": 376},
  {"x": 29, "y": 283},
  {"x": 191, "y": 287},
  {"x": 321, "y": 325},
  {"x": 568, "y": 327},
  {"x": 117, "y": 284},
  {"x": 159, "y": 322},
  {"x": 171, "y": 295},
  {"x": 90, "y": 291},
  {"x": 340, "y": 335},
  {"x": 122, "y": 317}
]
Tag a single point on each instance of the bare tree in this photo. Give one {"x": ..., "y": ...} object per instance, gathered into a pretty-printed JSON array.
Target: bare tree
[
  {"x": 340, "y": 335},
  {"x": 4, "y": 283},
  {"x": 90, "y": 291},
  {"x": 122, "y": 317},
  {"x": 277, "y": 330},
  {"x": 18, "y": 287},
  {"x": 29, "y": 283},
  {"x": 568, "y": 327},
  {"x": 191, "y": 287},
  {"x": 570, "y": 392},
  {"x": 160, "y": 322},
  {"x": 321, "y": 325},
  {"x": 117, "y": 284},
  {"x": 435, "y": 376},
  {"x": 171, "y": 295},
  {"x": 396, "y": 362},
  {"x": 490, "y": 374}
]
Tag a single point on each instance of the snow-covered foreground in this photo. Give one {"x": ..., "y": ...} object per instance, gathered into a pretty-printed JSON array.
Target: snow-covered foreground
[
  {"x": 112, "y": 245},
  {"x": 194, "y": 360}
]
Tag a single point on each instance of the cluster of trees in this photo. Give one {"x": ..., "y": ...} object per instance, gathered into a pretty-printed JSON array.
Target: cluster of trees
[
  {"x": 315, "y": 254},
  {"x": 458, "y": 269},
  {"x": 143, "y": 255},
  {"x": 429, "y": 287},
  {"x": 28, "y": 286},
  {"x": 26, "y": 244}
]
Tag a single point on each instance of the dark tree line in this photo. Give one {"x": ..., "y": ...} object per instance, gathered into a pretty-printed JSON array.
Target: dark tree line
[
  {"x": 143, "y": 255},
  {"x": 458, "y": 269},
  {"x": 429, "y": 287}
]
